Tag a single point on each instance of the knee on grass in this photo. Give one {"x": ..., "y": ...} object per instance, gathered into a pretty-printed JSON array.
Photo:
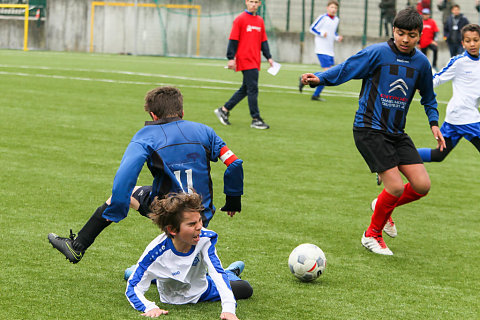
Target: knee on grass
[{"x": 241, "y": 289}]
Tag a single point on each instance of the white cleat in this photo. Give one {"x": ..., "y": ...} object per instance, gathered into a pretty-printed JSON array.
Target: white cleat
[
  {"x": 376, "y": 245},
  {"x": 390, "y": 229}
]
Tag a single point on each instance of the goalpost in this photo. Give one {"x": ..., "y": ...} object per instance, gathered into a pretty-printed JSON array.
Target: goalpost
[
  {"x": 25, "y": 25},
  {"x": 95, "y": 4}
]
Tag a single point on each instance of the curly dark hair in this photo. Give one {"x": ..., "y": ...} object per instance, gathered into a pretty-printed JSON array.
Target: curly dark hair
[{"x": 169, "y": 210}]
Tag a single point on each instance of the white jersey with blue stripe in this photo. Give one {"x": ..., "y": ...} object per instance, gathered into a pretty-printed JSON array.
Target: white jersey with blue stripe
[
  {"x": 181, "y": 277},
  {"x": 464, "y": 71},
  {"x": 325, "y": 30}
]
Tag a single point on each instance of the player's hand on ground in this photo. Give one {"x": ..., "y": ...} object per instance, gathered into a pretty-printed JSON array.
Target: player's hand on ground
[
  {"x": 154, "y": 313},
  {"x": 439, "y": 137},
  {"x": 228, "y": 316},
  {"x": 310, "y": 79},
  {"x": 231, "y": 64}
]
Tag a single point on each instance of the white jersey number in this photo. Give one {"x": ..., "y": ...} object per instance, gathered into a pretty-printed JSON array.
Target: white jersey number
[{"x": 178, "y": 174}]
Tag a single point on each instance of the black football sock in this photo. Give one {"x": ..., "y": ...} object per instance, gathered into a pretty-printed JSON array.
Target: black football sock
[
  {"x": 91, "y": 229},
  {"x": 476, "y": 142},
  {"x": 438, "y": 156}
]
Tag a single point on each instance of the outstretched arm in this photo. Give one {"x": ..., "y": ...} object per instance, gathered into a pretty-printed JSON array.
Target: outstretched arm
[
  {"x": 310, "y": 79},
  {"x": 356, "y": 67},
  {"x": 124, "y": 182}
]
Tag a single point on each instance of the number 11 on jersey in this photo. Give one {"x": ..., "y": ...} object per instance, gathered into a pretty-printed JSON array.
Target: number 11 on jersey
[{"x": 188, "y": 172}]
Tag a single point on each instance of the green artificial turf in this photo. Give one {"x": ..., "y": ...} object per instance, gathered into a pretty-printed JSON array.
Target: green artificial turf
[{"x": 66, "y": 119}]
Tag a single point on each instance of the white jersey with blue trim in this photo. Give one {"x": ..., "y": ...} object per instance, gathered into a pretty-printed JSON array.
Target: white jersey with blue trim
[
  {"x": 325, "y": 30},
  {"x": 464, "y": 71},
  {"x": 181, "y": 277}
]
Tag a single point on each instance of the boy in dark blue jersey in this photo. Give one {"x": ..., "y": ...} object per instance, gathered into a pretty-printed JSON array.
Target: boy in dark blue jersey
[
  {"x": 178, "y": 154},
  {"x": 391, "y": 72}
]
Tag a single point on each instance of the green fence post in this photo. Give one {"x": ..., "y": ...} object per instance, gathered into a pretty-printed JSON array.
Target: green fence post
[
  {"x": 364, "y": 37},
  {"x": 287, "y": 28},
  {"x": 312, "y": 10},
  {"x": 302, "y": 33}
]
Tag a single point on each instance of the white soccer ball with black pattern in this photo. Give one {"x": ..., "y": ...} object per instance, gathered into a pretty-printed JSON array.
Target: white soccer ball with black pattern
[{"x": 307, "y": 262}]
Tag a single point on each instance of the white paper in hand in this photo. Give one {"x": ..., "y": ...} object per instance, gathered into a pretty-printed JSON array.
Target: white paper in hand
[{"x": 273, "y": 70}]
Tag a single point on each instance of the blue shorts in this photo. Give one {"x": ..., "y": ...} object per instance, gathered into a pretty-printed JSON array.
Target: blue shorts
[
  {"x": 456, "y": 131},
  {"x": 211, "y": 294},
  {"x": 326, "y": 61}
]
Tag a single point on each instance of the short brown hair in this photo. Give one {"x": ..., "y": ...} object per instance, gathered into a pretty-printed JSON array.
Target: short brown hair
[
  {"x": 335, "y": 2},
  {"x": 169, "y": 210},
  {"x": 470, "y": 27},
  {"x": 164, "y": 102}
]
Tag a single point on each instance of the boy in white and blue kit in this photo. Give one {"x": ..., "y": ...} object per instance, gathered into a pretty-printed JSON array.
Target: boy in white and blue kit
[
  {"x": 462, "y": 117},
  {"x": 325, "y": 30},
  {"x": 184, "y": 262}
]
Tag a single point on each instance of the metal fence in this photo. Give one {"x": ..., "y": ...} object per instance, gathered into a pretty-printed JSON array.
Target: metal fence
[{"x": 357, "y": 17}]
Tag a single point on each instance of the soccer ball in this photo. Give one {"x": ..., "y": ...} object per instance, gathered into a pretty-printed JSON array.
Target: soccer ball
[{"x": 307, "y": 262}]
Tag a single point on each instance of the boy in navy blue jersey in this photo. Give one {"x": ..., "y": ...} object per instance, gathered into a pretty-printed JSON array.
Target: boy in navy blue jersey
[
  {"x": 178, "y": 154},
  {"x": 391, "y": 72}
]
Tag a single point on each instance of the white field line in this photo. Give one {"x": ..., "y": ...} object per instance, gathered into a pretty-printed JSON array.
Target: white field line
[{"x": 262, "y": 87}]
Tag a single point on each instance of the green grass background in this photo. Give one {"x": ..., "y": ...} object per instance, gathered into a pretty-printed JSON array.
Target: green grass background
[{"x": 66, "y": 119}]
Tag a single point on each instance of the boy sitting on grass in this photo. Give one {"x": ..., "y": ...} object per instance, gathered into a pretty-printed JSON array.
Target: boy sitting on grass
[{"x": 179, "y": 260}]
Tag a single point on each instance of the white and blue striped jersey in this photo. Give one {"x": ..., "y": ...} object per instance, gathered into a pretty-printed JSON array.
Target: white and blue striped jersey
[
  {"x": 181, "y": 277},
  {"x": 464, "y": 71},
  {"x": 324, "y": 24}
]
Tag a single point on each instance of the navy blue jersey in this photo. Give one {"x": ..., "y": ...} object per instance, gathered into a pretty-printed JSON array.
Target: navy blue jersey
[
  {"x": 178, "y": 154},
  {"x": 390, "y": 79}
]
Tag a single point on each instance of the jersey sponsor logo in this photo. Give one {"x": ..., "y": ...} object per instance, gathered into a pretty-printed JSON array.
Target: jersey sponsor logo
[
  {"x": 175, "y": 273},
  {"x": 386, "y": 96},
  {"x": 251, "y": 28},
  {"x": 195, "y": 261},
  {"x": 404, "y": 61},
  {"x": 399, "y": 84},
  {"x": 194, "y": 156},
  {"x": 227, "y": 156}
]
